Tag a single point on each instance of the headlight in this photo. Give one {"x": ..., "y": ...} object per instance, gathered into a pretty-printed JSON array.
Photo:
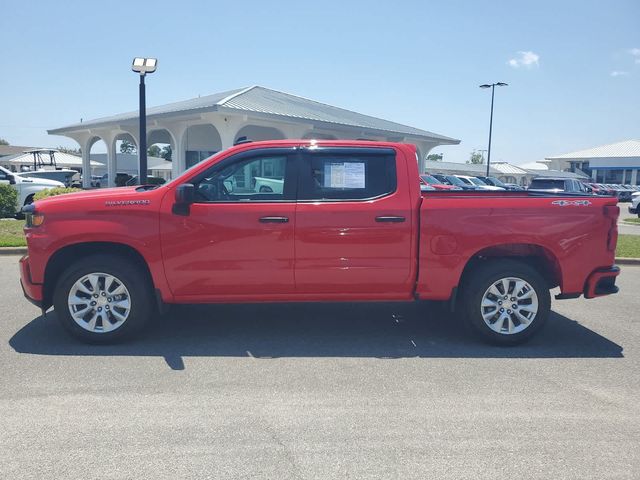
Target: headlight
[{"x": 33, "y": 218}]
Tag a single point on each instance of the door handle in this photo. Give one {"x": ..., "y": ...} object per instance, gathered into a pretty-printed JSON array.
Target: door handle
[
  {"x": 390, "y": 219},
  {"x": 274, "y": 219}
]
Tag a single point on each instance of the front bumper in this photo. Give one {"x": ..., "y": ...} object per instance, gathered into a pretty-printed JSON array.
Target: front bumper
[
  {"x": 602, "y": 282},
  {"x": 633, "y": 210},
  {"x": 32, "y": 291}
]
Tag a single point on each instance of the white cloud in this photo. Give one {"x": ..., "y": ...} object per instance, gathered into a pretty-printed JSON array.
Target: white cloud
[
  {"x": 618, "y": 73},
  {"x": 635, "y": 53},
  {"x": 525, "y": 59}
]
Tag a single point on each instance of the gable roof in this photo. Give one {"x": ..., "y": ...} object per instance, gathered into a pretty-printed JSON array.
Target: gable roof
[
  {"x": 265, "y": 101},
  {"x": 628, "y": 148}
]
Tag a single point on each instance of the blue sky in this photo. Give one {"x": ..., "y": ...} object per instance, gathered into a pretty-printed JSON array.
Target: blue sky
[{"x": 417, "y": 63}]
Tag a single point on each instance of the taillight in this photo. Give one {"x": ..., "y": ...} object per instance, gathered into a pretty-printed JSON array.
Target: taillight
[{"x": 612, "y": 212}]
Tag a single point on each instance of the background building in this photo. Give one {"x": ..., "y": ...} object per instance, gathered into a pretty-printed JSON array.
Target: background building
[
  {"x": 197, "y": 128},
  {"x": 612, "y": 163}
]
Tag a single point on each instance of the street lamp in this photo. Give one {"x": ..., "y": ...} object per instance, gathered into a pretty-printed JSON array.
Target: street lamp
[
  {"x": 492, "y": 86},
  {"x": 143, "y": 66}
]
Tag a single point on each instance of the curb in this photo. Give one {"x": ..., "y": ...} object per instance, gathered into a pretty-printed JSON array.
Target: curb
[
  {"x": 628, "y": 261},
  {"x": 13, "y": 250}
]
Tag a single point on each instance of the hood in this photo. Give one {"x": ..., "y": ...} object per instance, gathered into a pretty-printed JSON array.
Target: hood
[
  {"x": 39, "y": 181},
  {"x": 99, "y": 197}
]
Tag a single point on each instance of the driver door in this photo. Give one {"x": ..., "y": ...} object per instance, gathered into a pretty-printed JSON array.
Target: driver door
[{"x": 238, "y": 239}]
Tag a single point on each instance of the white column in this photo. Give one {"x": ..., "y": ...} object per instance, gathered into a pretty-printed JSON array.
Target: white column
[
  {"x": 634, "y": 177},
  {"x": 86, "y": 166},
  {"x": 624, "y": 175},
  {"x": 178, "y": 160},
  {"x": 112, "y": 161},
  {"x": 594, "y": 176}
]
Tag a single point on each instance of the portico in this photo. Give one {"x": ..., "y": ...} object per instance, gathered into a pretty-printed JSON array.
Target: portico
[{"x": 197, "y": 128}]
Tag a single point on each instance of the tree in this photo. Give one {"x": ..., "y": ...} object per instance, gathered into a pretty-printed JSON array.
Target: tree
[
  {"x": 166, "y": 152},
  {"x": 476, "y": 157},
  {"x": 127, "y": 147},
  {"x": 153, "y": 151},
  {"x": 72, "y": 151},
  {"x": 435, "y": 157},
  {"x": 3, "y": 142}
]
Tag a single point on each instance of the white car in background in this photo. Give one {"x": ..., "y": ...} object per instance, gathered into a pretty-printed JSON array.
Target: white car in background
[
  {"x": 269, "y": 185},
  {"x": 26, "y": 187},
  {"x": 479, "y": 184},
  {"x": 635, "y": 204}
]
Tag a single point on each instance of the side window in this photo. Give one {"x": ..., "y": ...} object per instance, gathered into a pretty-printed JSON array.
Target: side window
[
  {"x": 346, "y": 177},
  {"x": 254, "y": 179}
]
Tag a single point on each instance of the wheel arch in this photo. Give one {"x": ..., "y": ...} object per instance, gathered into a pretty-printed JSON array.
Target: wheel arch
[
  {"x": 69, "y": 254},
  {"x": 543, "y": 260}
]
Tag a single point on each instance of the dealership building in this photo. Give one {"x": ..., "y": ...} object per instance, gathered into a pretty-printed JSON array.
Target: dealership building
[
  {"x": 614, "y": 163},
  {"x": 199, "y": 127}
]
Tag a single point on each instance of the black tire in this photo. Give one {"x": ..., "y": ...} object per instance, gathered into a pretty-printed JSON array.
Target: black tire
[
  {"x": 134, "y": 279},
  {"x": 478, "y": 282}
]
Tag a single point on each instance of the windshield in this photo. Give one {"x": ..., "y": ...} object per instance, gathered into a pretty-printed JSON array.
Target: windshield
[
  {"x": 496, "y": 182},
  {"x": 431, "y": 180},
  {"x": 477, "y": 181},
  {"x": 454, "y": 180},
  {"x": 547, "y": 184},
  {"x": 192, "y": 167}
]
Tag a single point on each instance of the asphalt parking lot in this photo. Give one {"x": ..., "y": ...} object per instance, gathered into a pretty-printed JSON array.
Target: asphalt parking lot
[{"x": 322, "y": 391}]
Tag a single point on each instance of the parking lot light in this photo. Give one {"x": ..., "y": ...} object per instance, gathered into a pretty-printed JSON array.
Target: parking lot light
[
  {"x": 143, "y": 66},
  {"x": 492, "y": 86}
]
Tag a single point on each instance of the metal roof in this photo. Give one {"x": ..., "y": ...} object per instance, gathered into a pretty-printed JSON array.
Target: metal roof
[
  {"x": 265, "y": 101},
  {"x": 467, "y": 168},
  {"x": 557, "y": 174},
  {"x": 62, "y": 159},
  {"x": 626, "y": 149},
  {"x": 507, "y": 168}
]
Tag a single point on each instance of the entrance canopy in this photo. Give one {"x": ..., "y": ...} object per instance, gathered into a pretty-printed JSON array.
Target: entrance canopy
[{"x": 197, "y": 128}]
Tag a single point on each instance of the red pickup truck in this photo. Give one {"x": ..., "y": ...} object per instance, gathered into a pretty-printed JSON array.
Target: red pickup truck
[{"x": 339, "y": 221}]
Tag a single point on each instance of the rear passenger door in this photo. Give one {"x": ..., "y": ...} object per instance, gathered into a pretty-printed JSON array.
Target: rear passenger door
[{"x": 353, "y": 224}]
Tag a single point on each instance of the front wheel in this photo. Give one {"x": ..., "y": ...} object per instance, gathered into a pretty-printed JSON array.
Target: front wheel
[
  {"x": 103, "y": 299},
  {"x": 505, "y": 301}
]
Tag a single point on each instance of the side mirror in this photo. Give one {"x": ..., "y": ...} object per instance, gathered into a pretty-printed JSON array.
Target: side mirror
[{"x": 185, "y": 196}]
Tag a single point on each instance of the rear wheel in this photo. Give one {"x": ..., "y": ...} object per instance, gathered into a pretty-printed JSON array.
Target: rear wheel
[
  {"x": 505, "y": 301},
  {"x": 103, "y": 299}
]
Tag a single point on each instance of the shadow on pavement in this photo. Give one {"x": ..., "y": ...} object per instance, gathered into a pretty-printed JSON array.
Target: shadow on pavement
[{"x": 377, "y": 330}]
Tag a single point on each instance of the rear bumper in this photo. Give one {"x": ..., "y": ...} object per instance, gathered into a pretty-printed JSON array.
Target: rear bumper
[
  {"x": 32, "y": 291},
  {"x": 602, "y": 282}
]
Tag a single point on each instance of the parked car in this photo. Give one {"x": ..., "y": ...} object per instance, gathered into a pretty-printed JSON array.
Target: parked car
[
  {"x": 151, "y": 180},
  {"x": 479, "y": 184},
  {"x": 558, "y": 185},
  {"x": 435, "y": 183},
  {"x": 121, "y": 180},
  {"x": 268, "y": 185},
  {"x": 350, "y": 225},
  {"x": 26, "y": 187},
  {"x": 497, "y": 183},
  {"x": 635, "y": 204},
  {"x": 454, "y": 181}
]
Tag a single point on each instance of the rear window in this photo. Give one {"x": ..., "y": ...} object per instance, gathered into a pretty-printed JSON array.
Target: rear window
[{"x": 547, "y": 184}]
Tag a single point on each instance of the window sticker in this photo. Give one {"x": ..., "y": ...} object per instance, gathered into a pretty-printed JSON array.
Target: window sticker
[{"x": 344, "y": 175}]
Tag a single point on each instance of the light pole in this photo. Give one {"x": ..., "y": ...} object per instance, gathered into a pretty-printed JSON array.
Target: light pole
[
  {"x": 493, "y": 88},
  {"x": 143, "y": 66}
]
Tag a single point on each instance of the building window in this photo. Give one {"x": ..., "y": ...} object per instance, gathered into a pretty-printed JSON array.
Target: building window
[{"x": 196, "y": 156}]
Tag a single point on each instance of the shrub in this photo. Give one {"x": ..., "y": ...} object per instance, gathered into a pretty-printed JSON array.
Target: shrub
[
  {"x": 52, "y": 192},
  {"x": 8, "y": 200}
]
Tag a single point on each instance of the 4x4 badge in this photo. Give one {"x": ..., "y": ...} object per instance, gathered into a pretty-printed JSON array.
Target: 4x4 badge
[{"x": 577, "y": 203}]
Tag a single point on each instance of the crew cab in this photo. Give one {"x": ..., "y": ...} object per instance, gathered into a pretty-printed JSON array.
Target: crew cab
[{"x": 349, "y": 224}]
